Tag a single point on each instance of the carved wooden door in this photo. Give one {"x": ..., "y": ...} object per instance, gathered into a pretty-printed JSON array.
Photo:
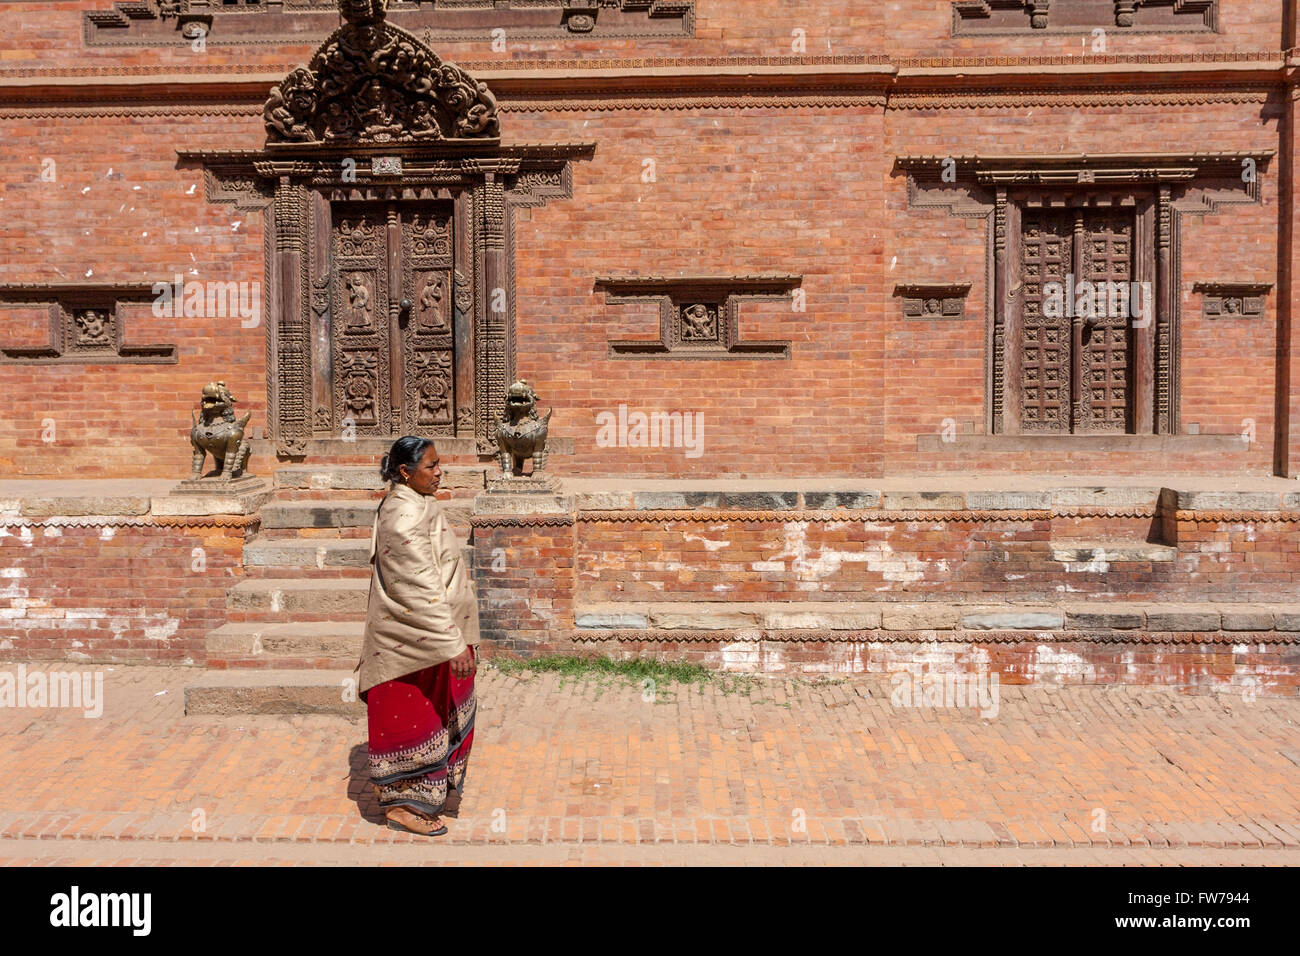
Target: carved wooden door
[
  {"x": 1105, "y": 353},
  {"x": 1046, "y": 258},
  {"x": 1076, "y": 351},
  {"x": 392, "y": 336}
]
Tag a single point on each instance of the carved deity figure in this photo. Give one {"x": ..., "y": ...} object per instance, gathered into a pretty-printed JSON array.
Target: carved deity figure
[
  {"x": 359, "y": 300},
  {"x": 92, "y": 327},
  {"x": 698, "y": 323},
  {"x": 431, "y": 312}
]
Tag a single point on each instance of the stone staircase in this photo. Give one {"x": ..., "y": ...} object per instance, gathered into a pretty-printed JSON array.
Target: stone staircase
[{"x": 294, "y": 624}]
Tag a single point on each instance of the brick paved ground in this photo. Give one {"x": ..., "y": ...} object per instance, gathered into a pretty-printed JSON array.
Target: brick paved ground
[{"x": 580, "y": 772}]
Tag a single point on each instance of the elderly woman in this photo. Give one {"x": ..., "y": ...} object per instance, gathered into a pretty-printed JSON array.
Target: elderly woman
[{"x": 418, "y": 655}]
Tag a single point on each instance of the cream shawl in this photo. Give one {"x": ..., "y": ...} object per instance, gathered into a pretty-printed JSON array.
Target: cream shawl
[{"x": 423, "y": 608}]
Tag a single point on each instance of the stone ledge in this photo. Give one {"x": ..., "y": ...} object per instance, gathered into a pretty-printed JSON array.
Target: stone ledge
[{"x": 888, "y": 616}]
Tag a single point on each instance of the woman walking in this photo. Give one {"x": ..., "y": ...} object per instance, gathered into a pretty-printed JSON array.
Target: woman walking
[{"x": 418, "y": 654}]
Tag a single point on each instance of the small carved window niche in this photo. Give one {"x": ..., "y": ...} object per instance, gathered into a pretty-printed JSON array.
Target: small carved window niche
[
  {"x": 933, "y": 300},
  {"x": 86, "y": 325},
  {"x": 995, "y": 17},
  {"x": 1233, "y": 300},
  {"x": 698, "y": 315}
]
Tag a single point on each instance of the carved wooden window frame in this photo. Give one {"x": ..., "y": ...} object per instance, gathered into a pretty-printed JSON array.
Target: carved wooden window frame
[
  {"x": 994, "y": 188},
  {"x": 64, "y": 346},
  {"x": 676, "y": 296}
]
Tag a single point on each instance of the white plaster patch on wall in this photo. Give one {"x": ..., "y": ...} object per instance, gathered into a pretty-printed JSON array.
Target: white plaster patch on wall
[
  {"x": 13, "y": 573},
  {"x": 1082, "y": 567},
  {"x": 53, "y": 531},
  {"x": 740, "y": 656},
  {"x": 160, "y": 632},
  {"x": 1059, "y": 663},
  {"x": 1241, "y": 648},
  {"x": 768, "y": 566},
  {"x": 1014, "y": 577},
  {"x": 716, "y": 587},
  {"x": 25, "y": 536},
  {"x": 709, "y": 543},
  {"x": 107, "y": 532},
  {"x": 828, "y": 562}
]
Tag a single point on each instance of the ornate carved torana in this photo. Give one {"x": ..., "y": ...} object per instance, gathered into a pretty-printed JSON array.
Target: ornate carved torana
[
  {"x": 698, "y": 315},
  {"x": 1084, "y": 270},
  {"x": 1233, "y": 300},
  {"x": 86, "y": 325},
  {"x": 374, "y": 82},
  {"x": 390, "y": 240},
  {"x": 1083, "y": 16},
  {"x": 245, "y": 22},
  {"x": 933, "y": 300}
]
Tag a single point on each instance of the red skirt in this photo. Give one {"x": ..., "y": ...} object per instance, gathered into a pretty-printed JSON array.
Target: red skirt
[{"x": 421, "y": 732}]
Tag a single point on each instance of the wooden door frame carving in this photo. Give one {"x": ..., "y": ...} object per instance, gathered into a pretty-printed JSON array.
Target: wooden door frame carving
[{"x": 484, "y": 183}]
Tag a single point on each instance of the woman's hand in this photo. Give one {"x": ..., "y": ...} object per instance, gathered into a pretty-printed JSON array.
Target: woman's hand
[{"x": 462, "y": 665}]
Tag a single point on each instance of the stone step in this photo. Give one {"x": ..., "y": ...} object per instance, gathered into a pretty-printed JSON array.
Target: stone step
[
  {"x": 366, "y": 477},
  {"x": 264, "y": 552},
  {"x": 289, "y": 645},
  {"x": 284, "y": 598},
  {"x": 1111, "y": 552},
  {"x": 258, "y": 691},
  {"x": 890, "y": 616},
  {"x": 319, "y": 514},
  {"x": 346, "y": 513}
]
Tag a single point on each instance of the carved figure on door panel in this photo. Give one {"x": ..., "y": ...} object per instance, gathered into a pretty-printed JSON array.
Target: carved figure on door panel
[
  {"x": 432, "y": 317},
  {"x": 359, "y": 315}
]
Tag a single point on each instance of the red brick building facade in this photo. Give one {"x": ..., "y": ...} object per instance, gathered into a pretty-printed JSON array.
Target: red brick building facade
[{"x": 797, "y": 243}]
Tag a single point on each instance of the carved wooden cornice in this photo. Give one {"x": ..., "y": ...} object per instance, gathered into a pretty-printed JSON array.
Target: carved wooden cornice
[
  {"x": 162, "y": 23},
  {"x": 1064, "y": 168},
  {"x": 933, "y": 300}
]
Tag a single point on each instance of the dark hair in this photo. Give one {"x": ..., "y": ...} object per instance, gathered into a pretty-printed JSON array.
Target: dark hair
[{"x": 407, "y": 450}]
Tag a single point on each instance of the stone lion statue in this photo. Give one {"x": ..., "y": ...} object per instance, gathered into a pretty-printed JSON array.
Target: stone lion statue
[
  {"x": 219, "y": 433},
  {"x": 521, "y": 434}
]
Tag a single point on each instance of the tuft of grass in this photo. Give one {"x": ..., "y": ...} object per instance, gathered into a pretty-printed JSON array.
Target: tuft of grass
[{"x": 634, "y": 671}]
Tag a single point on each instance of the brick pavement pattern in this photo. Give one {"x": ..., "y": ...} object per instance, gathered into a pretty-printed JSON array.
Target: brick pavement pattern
[{"x": 589, "y": 771}]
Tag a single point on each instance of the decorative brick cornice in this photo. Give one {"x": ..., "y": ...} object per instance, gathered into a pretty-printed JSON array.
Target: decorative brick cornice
[
  {"x": 921, "y": 636},
  {"x": 147, "y": 521},
  {"x": 782, "y": 517},
  {"x": 502, "y": 521}
]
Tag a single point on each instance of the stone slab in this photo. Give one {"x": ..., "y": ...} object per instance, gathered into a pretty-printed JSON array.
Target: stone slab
[
  {"x": 924, "y": 500},
  {"x": 613, "y": 620},
  {"x": 494, "y": 503},
  {"x": 1226, "y": 501},
  {"x": 337, "y": 640},
  {"x": 1013, "y": 619},
  {"x": 1102, "y": 615},
  {"x": 1008, "y": 500},
  {"x": 1175, "y": 617},
  {"x": 940, "y": 617},
  {"x": 1102, "y": 496},
  {"x": 829, "y": 500},
  {"x": 52, "y": 507},
  {"x": 1246, "y": 619}
]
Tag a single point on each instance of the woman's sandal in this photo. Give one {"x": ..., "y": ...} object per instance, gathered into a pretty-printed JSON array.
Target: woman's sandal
[{"x": 420, "y": 825}]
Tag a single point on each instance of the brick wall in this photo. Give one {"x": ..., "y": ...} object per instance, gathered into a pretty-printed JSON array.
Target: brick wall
[{"x": 113, "y": 592}]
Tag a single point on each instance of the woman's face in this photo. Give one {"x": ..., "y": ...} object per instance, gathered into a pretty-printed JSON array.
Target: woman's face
[{"x": 426, "y": 475}]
